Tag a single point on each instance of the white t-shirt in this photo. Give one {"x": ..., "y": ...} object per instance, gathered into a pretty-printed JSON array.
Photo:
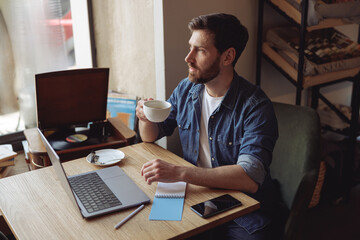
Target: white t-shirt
[{"x": 208, "y": 106}]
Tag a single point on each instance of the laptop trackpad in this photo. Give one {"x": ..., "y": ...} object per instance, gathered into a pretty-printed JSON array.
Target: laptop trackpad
[
  {"x": 126, "y": 190},
  {"x": 110, "y": 172},
  {"x": 123, "y": 186}
]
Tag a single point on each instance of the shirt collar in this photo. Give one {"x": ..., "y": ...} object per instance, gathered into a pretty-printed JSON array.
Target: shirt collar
[
  {"x": 229, "y": 99},
  {"x": 230, "y": 96},
  {"x": 196, "y": 90}
]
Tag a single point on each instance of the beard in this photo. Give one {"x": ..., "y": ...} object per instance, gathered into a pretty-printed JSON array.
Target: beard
[{"x": 206, "y": 75}]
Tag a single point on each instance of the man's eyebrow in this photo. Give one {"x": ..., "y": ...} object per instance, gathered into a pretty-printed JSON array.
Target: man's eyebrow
[{"x": 197, "y": 46}]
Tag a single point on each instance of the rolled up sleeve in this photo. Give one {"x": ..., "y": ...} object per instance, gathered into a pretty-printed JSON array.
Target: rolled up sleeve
[{"x": 253, "y": 167}]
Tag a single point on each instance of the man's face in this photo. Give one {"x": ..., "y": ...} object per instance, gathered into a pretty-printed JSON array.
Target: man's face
[{"x": 203, "y": 59}]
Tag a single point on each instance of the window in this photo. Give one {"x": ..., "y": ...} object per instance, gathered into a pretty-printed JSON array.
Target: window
[{"x": 37, "y": 37}]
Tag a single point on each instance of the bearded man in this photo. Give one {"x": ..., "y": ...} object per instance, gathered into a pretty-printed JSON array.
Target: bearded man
[{"x": 227, "y": 126}]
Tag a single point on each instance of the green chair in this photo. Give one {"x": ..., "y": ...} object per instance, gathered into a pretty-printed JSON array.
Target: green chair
[{"x": 296, "y": 162}]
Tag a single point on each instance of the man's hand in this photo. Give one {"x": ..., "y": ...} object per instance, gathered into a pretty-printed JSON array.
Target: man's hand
[
  {"x": 148, "y": 130},
  {"x": 226, "y": 177},
  {"x": 159, "y": 171},
  {"x": 140, "y": 109}
]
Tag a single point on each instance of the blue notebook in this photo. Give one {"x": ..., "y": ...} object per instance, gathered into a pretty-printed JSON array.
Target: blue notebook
[{"x": 168, "y": 202}]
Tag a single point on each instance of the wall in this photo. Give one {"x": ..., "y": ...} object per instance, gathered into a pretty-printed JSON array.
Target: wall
[{"x": 124, "y": 36}]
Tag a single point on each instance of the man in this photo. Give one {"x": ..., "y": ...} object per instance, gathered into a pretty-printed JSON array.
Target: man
[{"x": 227, "y": 126}]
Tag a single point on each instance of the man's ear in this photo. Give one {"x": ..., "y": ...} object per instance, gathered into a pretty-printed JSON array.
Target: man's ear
[{"x": 229, "y": 56}]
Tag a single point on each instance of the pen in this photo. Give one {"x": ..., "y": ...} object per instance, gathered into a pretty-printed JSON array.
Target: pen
[{"x": 128, "y": 217}]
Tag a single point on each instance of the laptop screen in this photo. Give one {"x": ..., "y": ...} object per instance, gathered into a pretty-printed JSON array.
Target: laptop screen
[
  {"x": 59, "y": 170},
  {"x": 71, "y": 98}
]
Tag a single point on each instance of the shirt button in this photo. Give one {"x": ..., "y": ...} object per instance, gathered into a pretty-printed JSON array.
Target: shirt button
[
  {"x": 212, "y": 117},
  {"x": 210, "y": 138},
  {"x": 195, "y": 151},
  {"x": 198, "y": 130},
  {"x": 179, "y": 125},
  {"x": 212, "y": 159},
  {"x": 230, "y": 143}
]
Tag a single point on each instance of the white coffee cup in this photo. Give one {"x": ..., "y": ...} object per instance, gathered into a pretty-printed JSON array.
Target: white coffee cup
[{"x": 157, "y": 110}]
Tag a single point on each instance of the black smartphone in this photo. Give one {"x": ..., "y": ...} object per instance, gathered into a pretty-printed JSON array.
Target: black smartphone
[{"x": 216, "y": 205}]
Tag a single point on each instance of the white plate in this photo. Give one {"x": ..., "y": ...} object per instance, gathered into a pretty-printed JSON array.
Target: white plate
[{"x": 107, "y": 157}]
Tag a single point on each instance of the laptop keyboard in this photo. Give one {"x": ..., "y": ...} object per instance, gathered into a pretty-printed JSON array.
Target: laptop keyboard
[{"x": 93, "y": 192}]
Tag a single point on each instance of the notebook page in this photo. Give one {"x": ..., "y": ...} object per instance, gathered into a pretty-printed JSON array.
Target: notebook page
[
  {"x": 167, "y": 209},
  {"x": 170, "y": 190},
  {"x": 168, "y": 202}
]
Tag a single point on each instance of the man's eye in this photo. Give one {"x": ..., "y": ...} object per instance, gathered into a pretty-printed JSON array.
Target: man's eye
[{"x": 201, "y": 50}]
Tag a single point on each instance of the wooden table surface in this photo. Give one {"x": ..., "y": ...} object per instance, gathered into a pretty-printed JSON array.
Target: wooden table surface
[{"x": 36, "y": 207}]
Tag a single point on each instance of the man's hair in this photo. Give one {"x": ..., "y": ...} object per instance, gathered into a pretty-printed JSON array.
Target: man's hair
[{"x": 227, "y": 30}]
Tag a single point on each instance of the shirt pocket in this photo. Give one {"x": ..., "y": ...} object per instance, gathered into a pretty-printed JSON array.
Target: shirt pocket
[
  {"x": 185, "y": 125},
  {"x": 229, "y": 148},
  {"x": 185, "y": 135}
]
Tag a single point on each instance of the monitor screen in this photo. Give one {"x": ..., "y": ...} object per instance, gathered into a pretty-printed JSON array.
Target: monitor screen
[{"x": 71, "y": 98}]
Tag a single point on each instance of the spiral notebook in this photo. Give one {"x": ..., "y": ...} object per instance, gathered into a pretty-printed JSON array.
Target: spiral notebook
[{"x": 168, "y": 202}]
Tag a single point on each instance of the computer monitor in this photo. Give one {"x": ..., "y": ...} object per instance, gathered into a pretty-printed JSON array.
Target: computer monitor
[{"x": 71, "y": 98}]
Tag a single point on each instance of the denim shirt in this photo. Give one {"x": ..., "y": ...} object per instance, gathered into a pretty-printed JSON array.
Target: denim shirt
[{"x": 243, "y": 124}]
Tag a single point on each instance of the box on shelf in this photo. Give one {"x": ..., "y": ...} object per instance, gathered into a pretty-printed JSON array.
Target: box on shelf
[
  {"x": 325, "y": 9},
  {"x": 327, "y": 50}
]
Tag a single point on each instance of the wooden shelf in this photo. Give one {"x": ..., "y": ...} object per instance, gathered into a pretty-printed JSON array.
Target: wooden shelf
[
  {"x": 316, "y": 82},
  {"x": 308, "y": 81},
  {"x": 295, "y": 15}
]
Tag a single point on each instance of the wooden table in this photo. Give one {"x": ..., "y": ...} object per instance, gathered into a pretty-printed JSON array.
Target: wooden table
[{"x": 42, "y": 210}]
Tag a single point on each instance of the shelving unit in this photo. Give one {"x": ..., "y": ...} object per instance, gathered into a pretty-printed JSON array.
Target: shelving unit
[{"x": 315, "y": 83}]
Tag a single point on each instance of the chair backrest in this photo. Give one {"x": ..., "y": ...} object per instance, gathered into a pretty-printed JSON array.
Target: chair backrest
[{"x": 297, "y": 149}]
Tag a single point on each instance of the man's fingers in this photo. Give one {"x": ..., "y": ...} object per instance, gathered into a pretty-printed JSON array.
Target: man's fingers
[
  {"x": 156, "y": 170},
  {"x": 150, "y": 180},
  {"x": 151, "y": 176},
  {"x": 147, "y": 167}
]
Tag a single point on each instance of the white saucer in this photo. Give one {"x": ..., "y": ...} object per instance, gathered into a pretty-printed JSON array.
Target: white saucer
[{"x": 106, "y": 157}]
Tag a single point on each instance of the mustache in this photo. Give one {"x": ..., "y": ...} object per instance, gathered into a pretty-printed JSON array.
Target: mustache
[{"x": 192, "y": 65}]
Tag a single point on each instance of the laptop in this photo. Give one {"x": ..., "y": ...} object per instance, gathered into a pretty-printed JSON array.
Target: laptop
[{"x": 86, "y": 191}]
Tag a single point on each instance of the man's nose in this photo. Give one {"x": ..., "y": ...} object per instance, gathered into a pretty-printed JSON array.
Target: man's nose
[{"x": 189, "y": 57}]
